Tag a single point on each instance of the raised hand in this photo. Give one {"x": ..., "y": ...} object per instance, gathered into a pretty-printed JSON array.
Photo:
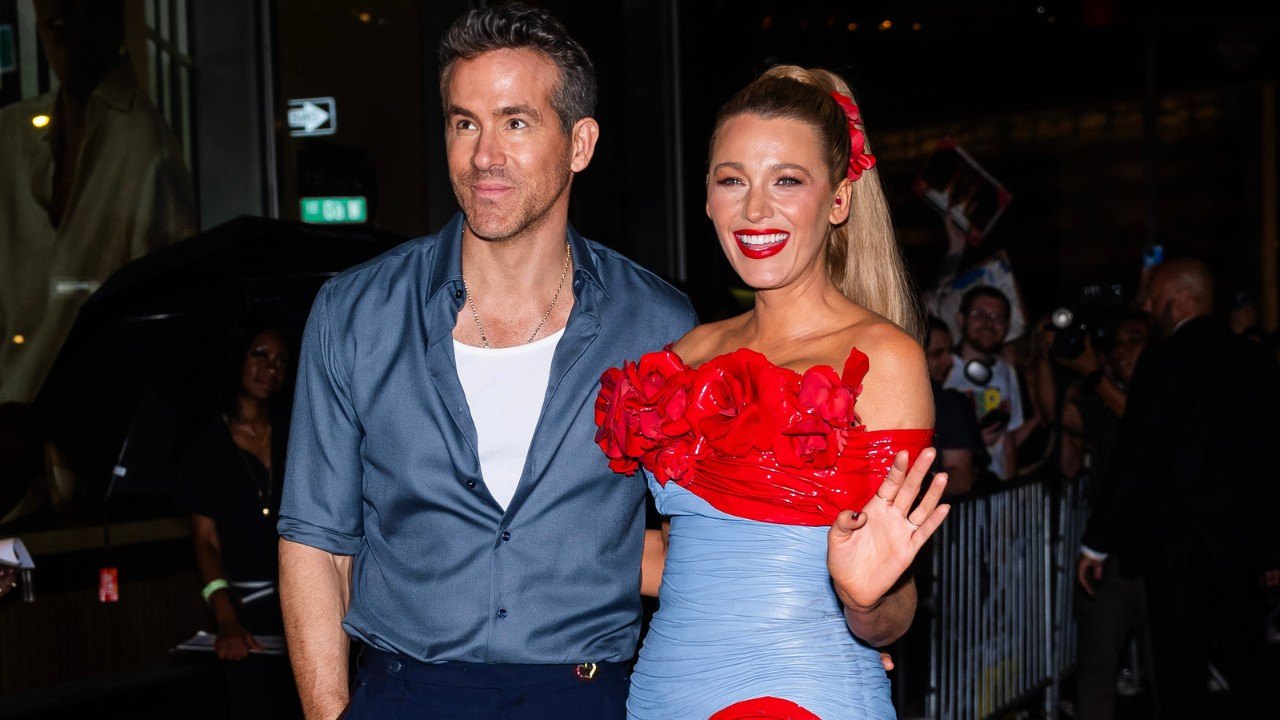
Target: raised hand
[{"x": 868, "y": 552}]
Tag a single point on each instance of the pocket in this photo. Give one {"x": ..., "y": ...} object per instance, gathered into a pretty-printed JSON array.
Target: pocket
[{"x": 353, "y": 709}]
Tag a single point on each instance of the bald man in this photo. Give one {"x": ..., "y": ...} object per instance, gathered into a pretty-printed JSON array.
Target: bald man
[{"x": 1189, "y": 502}]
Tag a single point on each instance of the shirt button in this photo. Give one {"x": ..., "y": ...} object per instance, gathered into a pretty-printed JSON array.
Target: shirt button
[
  {"x": 506, "y": 536},
  {"x": 471, "y": 483},
  {"x": 502, "y": 613},
  {"x": 457, "y": 294},
  {"x": 394, "y": 666}
]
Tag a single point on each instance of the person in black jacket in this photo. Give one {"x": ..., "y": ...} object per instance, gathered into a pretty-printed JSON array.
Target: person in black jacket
[{"x": 1191, "y": 495}]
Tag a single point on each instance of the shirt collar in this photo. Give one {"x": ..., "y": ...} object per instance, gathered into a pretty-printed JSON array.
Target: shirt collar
[
  {"x": 448, "y": 267},
  {"x": 118, "y": 88}
]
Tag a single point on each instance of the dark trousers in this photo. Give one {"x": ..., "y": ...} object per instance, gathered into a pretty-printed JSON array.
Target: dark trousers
[
  {"x": 1205, "y": 608},
  {"x": 1105, "y": 621},
  {"x": 393, "y": 686}
]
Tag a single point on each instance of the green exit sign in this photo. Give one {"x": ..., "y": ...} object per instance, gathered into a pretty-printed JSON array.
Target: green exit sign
[{"x": 334, "y": 210}]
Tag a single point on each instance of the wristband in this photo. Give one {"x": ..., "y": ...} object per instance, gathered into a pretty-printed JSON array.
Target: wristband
[{"x": 213, "y": 587}]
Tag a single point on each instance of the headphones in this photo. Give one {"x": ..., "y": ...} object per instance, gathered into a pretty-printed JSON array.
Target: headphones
[{"x": 979, "y": 371}]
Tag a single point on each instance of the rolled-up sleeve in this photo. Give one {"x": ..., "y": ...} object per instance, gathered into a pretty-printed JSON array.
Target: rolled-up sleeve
[{"x": 321, "y": 505}]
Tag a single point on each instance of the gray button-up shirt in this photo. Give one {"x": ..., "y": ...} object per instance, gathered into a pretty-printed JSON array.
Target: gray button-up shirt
[{"x": 382, "y": 465}]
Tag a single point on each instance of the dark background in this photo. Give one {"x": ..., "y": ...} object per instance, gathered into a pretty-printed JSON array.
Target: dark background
[{"x": 1112, "y": 123}]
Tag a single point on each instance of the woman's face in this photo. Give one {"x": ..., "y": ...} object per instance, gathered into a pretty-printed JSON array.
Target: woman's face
[
  {"x": 265, "y": 365},
  {"x": 770, "y": 197}
]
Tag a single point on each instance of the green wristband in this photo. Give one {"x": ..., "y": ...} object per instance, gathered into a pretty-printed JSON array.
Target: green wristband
[{"x": 213, "y": 587}]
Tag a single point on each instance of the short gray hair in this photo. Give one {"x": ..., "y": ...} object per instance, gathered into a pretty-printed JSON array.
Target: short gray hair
[{"x": 518, "y": 26}]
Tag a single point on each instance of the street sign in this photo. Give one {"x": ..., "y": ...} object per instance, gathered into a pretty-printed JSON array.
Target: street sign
[
  {"x": 309, "y": 117},
  {"x": 333, "y": 210}
]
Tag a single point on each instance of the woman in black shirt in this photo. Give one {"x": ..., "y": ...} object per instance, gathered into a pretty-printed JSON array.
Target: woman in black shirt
[{"x": 233, "y": 467}]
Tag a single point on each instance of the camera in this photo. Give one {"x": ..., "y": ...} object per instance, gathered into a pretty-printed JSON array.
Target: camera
[
  {"x": 1070, "y": 335},
  {"x": 1073, "y": 325}
]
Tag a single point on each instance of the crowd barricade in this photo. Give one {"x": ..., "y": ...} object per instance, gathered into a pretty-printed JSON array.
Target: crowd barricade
[{"x": 1002, "y": 634}]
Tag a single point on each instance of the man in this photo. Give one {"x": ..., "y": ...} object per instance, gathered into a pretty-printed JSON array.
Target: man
[
  {"x": 983, "y": 319},
  {"x": 1109, "y": 613},
  {"x": 1191, "y": 495},
  {"x": 446, "y": 504},
  {"x": 956, "y": 436}
]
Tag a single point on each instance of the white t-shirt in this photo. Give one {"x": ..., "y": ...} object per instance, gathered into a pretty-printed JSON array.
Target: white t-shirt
[
  {"x": 505, "y": 388},
  {"x": 1001, "y": 393}
]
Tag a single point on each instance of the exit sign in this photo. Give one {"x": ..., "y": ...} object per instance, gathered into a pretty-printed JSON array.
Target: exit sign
[{"x": 334, "y": 210}]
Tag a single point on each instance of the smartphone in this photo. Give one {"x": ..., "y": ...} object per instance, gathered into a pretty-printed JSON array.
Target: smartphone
[{"x": 994, "y": 418}]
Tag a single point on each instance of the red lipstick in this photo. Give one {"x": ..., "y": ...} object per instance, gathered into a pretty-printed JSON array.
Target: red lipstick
[{"x": 761, "y": 243}]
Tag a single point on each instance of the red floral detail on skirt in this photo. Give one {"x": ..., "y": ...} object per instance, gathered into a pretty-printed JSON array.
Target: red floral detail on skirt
[{"x": 764, "y": 708}]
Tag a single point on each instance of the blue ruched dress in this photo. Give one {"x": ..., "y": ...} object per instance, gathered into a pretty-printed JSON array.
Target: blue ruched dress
[
  {"x": 752, "y": 462},
  {"x": 747, "y": 610}
]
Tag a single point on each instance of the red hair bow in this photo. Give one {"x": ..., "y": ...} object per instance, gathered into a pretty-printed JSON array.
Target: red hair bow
[{"x": 859, "y": 159}]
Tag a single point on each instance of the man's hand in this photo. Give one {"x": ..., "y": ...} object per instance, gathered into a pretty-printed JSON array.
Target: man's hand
[
  {"x": 1088, "y": 568},
  {"x": 955, "y": 237},
  {"x": 1084, "y": 364},
  {"x": 992, "y": 433}
]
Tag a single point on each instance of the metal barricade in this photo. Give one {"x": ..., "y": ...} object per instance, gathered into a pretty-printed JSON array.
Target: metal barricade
[
  {"x": 1002, "y": 632},
  {"x": 1073, "y": 512}
]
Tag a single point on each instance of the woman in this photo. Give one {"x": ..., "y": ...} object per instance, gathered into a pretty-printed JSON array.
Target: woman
[
  {"x": 233, "y": 467},
  {"x": 775, "y": 592}
]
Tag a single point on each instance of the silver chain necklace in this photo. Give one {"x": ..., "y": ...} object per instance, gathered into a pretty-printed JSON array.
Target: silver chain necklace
[{"x": 484, "y": 339}]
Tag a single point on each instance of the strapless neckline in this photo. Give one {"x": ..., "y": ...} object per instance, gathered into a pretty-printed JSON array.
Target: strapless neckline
[{"x": 856, "y": 365}]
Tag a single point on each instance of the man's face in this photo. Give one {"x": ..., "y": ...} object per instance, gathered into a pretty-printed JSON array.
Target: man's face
[
  {"x": 1162, "y": 305},
  {"x": 509, "y": 160},
  {"x": 937, "y": 355},
  {"x": 986, "y": 324},
  {"x": 1131, "y": 338}
]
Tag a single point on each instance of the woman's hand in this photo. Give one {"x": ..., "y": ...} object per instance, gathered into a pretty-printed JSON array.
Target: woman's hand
[
  {"x": 234, "y": 642},
  {"x": 868, "y": 552}
]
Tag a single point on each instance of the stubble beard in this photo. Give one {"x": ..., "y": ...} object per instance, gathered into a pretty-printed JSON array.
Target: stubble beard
[
  {"x": 981, "y": 345},
  {"x": 502, "y": 221}
]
